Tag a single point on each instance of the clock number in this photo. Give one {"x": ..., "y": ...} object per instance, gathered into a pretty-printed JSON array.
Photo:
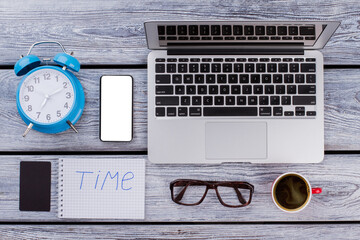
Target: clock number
[
  {"x": 68, "y": 95},
  {"x": 65, "y": 84},
  {"x": 29, "y": 108},
  {"x": 57, "y": 78},
  {"x": 27, "y": 98},
  {"x": 66, "y": 105},
  {"x": 58, "y": 113},
  {"x": 47, "y": 76},
  {"x": 48, "y": 117},
  {"x": 37, "y": 80},
  {"x": 30, "y": 88},
  {"x": 38, "y": 114}
]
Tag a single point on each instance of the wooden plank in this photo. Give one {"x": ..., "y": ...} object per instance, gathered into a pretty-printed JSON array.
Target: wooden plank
[
  {"x": 111, "y": 32},
  {"x": 338, "y": 175},
  {"x": 221, "y": 232},
  {"x": 342, "y": 96}
]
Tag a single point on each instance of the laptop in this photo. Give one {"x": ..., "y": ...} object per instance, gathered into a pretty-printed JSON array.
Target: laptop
[{"x": 236, "y": 91}]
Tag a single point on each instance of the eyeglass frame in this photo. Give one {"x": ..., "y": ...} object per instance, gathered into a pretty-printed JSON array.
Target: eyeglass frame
[{"x": 212, "y": 185}]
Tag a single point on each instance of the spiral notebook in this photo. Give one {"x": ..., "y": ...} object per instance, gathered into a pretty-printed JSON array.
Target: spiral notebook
[{"x": 101, "y": 188}]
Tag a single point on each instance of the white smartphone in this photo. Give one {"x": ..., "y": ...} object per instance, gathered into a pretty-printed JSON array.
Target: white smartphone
[{"x": 116, "y": 108}]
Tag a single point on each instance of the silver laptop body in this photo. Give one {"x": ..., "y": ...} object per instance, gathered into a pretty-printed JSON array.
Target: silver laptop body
[{"x": 235, "y": 91}]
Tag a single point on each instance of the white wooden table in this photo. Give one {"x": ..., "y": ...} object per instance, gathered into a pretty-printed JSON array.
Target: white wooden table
[{"x": 108, "y": 38}]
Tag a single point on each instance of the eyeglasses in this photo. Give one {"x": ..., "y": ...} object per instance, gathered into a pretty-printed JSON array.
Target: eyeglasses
[{"x": 192, "y": 192}]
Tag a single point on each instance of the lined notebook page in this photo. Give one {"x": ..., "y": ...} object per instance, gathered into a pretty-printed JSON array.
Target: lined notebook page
[{"x": 101, "y": 188}]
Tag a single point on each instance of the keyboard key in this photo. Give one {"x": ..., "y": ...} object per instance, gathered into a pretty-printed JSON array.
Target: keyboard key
[
  {"x": 162, "y": 79},
  {"x": 238, "y": 30},
  {"x": 219, "y": 100},
  {"x": 230, "y": 111},
  {"x": 287, "y": 59},
  {"x": 265, "y": 111},
  {"x": 244, "y": 78},
  {"x": 213, "y": 89},
  {"x": 300, "y": 111},
  {"x": 218, "y": 38},
  {"x": 208, "y": 100},
  {"x": 224, "y": 89},
  {"x": 294, "y": 67},
  {"x": 195, "y": 111},
  {"x": 160, "y": 111},
  {"x": 230, "y": 100},
  {"x": 258, "y": 89},
  {"x": 286, "y": 38},
  {"x": 193, "y": 30},
  {"x": 293, "y": 30},
  {"x": 183, "y": 38},
  {"x": 288, "y": 113},
  {"x": 299, "y": 78},
  {"x": 288, "y": 78},
  {"x": 221, "y": 78},
  {"x": 199, "y": 79},
  {"x": 218, "y": 59},
  {"x": 226, "y": 30},
  {"x": 241, "y": 59},
  {"x": 310, "y": 78},
  {"x": 183, "y": 59},
  {"x": 269, "y": 89},
  {"x": 308, "y": 67},
  {"x": 164, "y": 90},
  {"x": 263, "y": 100},
  {"x": 176, "y": 79},
  {"x": 227, "y": 67},
  {"x": 298, "y": 59},
  {"x": 266, "y": 78},
  {"x": 190, "y": 89},
  {"x": 233, "y": 78},
  {"x": 264, "y": 38},
  {"x": 282, "y": 30},
  {"x": 210, "y": 78},
  {"x": 204, "y": 67},
  {"x": 307, "y": 30},
  {"x": 274, "y": 100},
  {"x": 291, "y": 89},
  {"x": 179, "y": 89},
  {"x": 246, "y": 89},
  {"x": 249, "y": 30},
  {"x": 160, "y": 60},
  {"x": 215, "y": 29},
  {"x": 159, "y": 68},
  {"x": 252, "y": 38},
  {"x": 307, "y": 89},
  {"x": 310, "y": 113},
  {"x": 304, "y": 100},
  {"x": 171, "y": 30},
  {"x": 161, "y": 30},
  {"x": 182, "y": 68},
  {"x": 275, "y": 38},
  {"x": 182, "y": 30},
  {"x": 202, "y": 89},
  {"x": 310, "y": 60},
  {"x": 277, "y": 78},
  {"x": 309, "y": 38},
  {"x": 255, "y": 78},
  {"x": 167, "y": 100},
  {"x": 253, "y": 59},
  {"x": 194, "y": 68},
  {"x": 171, "y": 111},
  {"x": 300, "y": 38},
  {"x": 270, "y": 30},
  {"x": 171, "y": 68},
  {"x": 285, "y": 100},
  {"x": 185, "y": 100},
  {"x": 235, "y": 89},
  {"x": 182, "y": 111},
  {"x": 216, "y": 67},
  {"x": 260, "y": 30},
  {"x": 188, "y": 79},
  {"x": 277, "y": 111},
  {"x": 252, "y": 100},
  {"x": 283, "y": 67},
  {"x": 280, "y": 89},
  {"x": 204, "y": 30},
  {"x": 276, "y": 59},
  {"x": 260, "y": 67},
  {"x": 271, "y": 67},
  {"x": 196, "y": 100},
  {"x": 241, "y": 100},
  {"x": 229, "y": 59},
  {"x": 249, "y": 67}
]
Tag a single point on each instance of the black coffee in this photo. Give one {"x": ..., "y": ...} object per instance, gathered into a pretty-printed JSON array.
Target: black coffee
[{"x": 291, "y": 192}]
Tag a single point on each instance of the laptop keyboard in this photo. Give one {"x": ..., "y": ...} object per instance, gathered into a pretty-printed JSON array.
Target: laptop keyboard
[
  {"x": 236, "y": 32},
  {"x": 264, "y": 87}
]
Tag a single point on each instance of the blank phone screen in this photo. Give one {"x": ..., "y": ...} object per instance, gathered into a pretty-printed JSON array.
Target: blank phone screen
[{"x": 116, "y": 95}]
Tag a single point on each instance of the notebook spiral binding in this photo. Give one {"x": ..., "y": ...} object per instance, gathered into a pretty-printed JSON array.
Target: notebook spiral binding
[{"x": 60, "y": 187}]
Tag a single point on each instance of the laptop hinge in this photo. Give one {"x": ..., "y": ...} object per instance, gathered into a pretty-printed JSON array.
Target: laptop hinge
[{"x": 258, "y": 51}]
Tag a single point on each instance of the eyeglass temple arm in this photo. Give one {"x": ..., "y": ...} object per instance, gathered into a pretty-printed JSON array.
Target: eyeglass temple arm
[
  {"x": 181, "y": 194},
  {"x": 240, "y": 197}
]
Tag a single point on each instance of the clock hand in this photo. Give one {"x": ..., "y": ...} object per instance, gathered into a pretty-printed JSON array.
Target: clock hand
[
  {"x": 44, "y": 102},
  {"x": 55, "y": 92}
]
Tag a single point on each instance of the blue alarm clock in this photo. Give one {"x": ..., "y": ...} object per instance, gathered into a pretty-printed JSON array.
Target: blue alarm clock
[{"x": 50, "y": 99}]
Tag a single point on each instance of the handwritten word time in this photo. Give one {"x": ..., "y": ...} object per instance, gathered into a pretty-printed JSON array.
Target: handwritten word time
[{"x": 87, "y": 178}]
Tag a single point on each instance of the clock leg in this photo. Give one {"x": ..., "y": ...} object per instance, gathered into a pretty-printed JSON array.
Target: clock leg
[
  {"x": 72, "y": 126},
  {"x": 28, "y": 129}
]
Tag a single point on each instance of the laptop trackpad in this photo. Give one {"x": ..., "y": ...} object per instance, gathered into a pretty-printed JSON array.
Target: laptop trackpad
[{"x": 234, "y": 140}]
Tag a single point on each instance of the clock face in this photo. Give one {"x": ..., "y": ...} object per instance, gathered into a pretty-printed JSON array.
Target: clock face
[{"x": 46, "y": 96}]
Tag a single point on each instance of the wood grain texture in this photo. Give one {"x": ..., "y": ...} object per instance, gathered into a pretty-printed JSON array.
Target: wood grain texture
[
  {"x": 342, "y": 111},
  {"x": 338, "y": 175},
  {"x": 220, "y": 232},
  {"x": 111, "y": 32}
]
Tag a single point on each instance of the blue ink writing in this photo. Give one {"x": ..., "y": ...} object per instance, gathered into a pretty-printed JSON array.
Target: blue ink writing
[
  {"x": 126, "y": 179},
  {"x": 82, "y": 177},
  {"x": 117, "y": 180},
  {"x": 97, "y": 178}
]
